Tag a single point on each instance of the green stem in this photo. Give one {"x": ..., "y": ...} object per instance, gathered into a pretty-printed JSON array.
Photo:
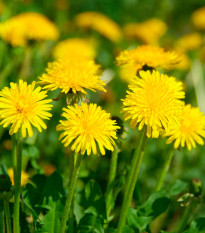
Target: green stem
[
  {"x": 188, "y": 212},
  {"x": 17, "y": 181},
  {"x": 2, "y": 225},
  {"x": 112, "y": 175},
  {"x": 71, "y": 215},
  {"x": 26, "y": 65},
  {"x": 70, "y": 194},
  {"x": 165, "y": 169},
  {"x": 132, "y": 179},
  {"x": 8, "y": 217}
]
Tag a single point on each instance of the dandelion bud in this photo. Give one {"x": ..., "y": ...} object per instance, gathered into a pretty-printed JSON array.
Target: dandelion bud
[{"x": 196, "y": 187}]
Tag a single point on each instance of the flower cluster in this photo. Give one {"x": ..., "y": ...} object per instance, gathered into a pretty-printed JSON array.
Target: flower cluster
[{"x": 156, "y": 101}]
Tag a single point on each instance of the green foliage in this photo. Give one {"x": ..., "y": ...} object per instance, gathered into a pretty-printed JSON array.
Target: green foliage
[
  {"x": 156, "y": 204},
  {"x": 197, "y": 226},
  {"x": 90, "y": 223},
  {"x": 46, "y": 194},
  {"x": 93, "y": 200}
]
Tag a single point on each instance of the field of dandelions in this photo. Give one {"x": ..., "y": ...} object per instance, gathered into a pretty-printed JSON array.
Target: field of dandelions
[{"x": 102, "y": 121}]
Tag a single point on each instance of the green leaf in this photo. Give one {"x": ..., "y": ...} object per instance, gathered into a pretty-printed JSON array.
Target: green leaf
[
  {"x": 93, "y": 199},
  {"x": 197, "y": 226},
  {"x": 53, "y": 189},
  {"x": 127, "y": 229},
  {"x": 110, "y": 230},
  {"x": 156, "y": 204},
  {"x": 90, "y": 223},
  {"x": 51, "y": 221},
  {"x": 31, "y": 151},
  {"x": 178, "y": 187},
  {"x": 32, "y": 194},
  {"x": 159, "y": 206},
  {"x": 53, "y": 194},
  {"x": 92, "y": 191},
  {"x": 30, "y": 198},
  {"x": 137, "y": 222}
]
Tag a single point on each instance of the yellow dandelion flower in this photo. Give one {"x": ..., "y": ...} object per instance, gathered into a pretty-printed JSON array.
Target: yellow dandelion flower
[
  {"x": 13, "y": 32},
  {"x": 189, "y": 131},
  {"x": 189, "y": 42},
  {"x": 23, "y": 106},
  {"x": 147, "y": 55},
  {"x": 72, "y": 74},
  {"x": 198, "y": 18},
  {"x": 28, "y": 26},
  {"x": 154, "y": 101},
  {"x": 74, "y": 47},
  {"x": 24, "y": 177},
  {"x": 149, "y": 31},
  {"x": 101, "y": 24},
  {"x": 87, "y": 128}
]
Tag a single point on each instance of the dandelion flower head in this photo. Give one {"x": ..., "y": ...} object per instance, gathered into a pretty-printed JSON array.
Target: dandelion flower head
[
  {"x": 72, "y": 74},
  {"x": 88, "y": 128},
  {"x": 148, "y": 55},
  {"x": 189, "y": 131},
  {"x": 28, "y": 26},
  {"x": 149, "y": 31},
  {"x": 189, "y": 42},
  {"x": 198, "y": 18},
  {"x": 74, "y": 47},
  {"x": 24, "y": 177},
  {"x": 153, "y": 100},
  {"x": 22, "y": 106},
  {"x": 100, "y": 23}
]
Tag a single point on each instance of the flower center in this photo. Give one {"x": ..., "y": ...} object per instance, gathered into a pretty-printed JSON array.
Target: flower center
[
  {"x": 187, "y": 127},
  {"x": 22, "y": 106}
]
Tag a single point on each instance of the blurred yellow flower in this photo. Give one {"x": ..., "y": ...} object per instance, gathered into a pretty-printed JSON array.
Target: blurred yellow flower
[
  {"x": 188, "y": 42},
  {"x": 184, "y": 64},
  {"x": 101, "y": 24},
  {"x": 88, "y": 128},
  {"x": 23, "y": 106},
  {"x": 191, "y": 129},
  {"x": 148, "y": 55},
  {"x": 154, "y": 101},
  {"x": 128, "y": 72},
  {"x": 148, "y": 32},
  {"x": 198, "y": 18},
  {"x": 74, "y": 47},
  {"x": 24, "y": 177},
  {"x": 202, "y": 54},
  {"x": 28, "y": 26},
  {"x": 72, "y": 74}
]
